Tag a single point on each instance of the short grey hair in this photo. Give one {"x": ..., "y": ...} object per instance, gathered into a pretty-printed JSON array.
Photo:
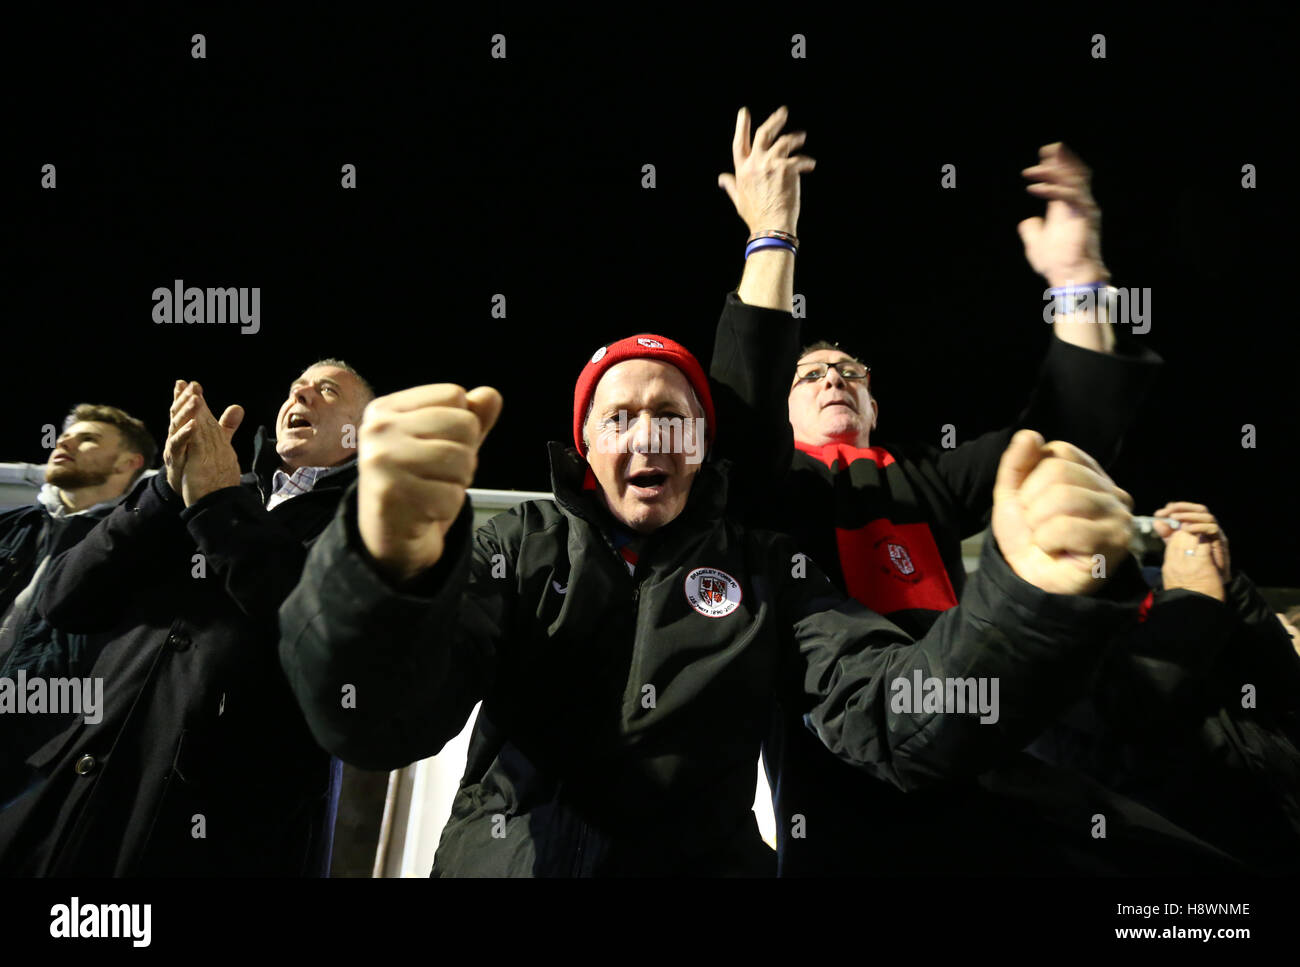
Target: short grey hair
[{"x": 368, "y": 391}]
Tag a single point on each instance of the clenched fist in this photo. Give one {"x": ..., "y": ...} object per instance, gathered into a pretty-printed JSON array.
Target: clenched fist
[
  {"x": 1054, "y": 511},
  {"x": 417, "y": 451}
]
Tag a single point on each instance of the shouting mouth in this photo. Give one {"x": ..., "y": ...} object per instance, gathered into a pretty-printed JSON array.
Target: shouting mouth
[
  {"x": 647, "y": 484},
  {"x": 297, "y": 422}
]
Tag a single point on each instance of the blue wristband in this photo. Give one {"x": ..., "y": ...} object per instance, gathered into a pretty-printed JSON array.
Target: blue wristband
[
  {"x": 762, "y": 243},
  {"x": 1069, "y": 290},
  {"x": 1067, "y": 299}
]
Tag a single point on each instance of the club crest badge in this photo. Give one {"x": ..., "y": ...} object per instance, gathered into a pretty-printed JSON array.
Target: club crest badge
[
  {"x": 713, "y": 593},
  {"x": 902, "y": 560},
  {"x": 896, "y": 560}
]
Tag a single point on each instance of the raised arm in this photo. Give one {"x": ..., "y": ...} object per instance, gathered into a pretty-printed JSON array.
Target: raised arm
[
  {"x": 257, "y": 559},
  {"x": 757, "y": 341},
  {"x": 1087, "y": 392},
  {"x": 387, "y": 672},
  {"x": 1064, "y": 246},
  {"x": 392, "y": 634}
]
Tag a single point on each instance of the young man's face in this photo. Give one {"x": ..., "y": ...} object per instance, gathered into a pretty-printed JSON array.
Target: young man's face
[
  {"x": 90, "y": 454},
  {"x": 831, "y": 409},
  {"x": 642, "y": 468},
  {"x": 310, "y": 428}
]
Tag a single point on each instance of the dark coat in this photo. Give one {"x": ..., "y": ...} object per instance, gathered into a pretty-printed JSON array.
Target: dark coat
[
  {"x": 200, "y": 734},
  {"x": 1197, "y": 716},
  {"x": 621, "y": 720},
  {"x": 28, "y": 535}
]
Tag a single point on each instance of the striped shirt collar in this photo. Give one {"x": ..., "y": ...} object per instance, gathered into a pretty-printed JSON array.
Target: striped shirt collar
[{"x": 301, "y": 481}]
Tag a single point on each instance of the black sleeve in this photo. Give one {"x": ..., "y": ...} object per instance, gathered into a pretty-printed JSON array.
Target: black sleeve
[
  {"x": 255, "y": 556},
  {"x": 385, "y": 675},
  {"x": 1193, "y": 654},
  {"x": 754, "y": 354},
  {"x": 1262, "y": 647},
  {"x": 1211, "y": 686},
  {"x": 857, "y": 671},
  {"x": 86, "y": 587},
  {"x": 1083, "y": 397},
  {"x": 1160, "y": 676}
]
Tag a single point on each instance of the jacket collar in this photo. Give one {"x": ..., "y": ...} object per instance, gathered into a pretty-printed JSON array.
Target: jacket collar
[
  {"x": 54, "y": 506},
  {"x": 569, "y": 484},
  {"x": 266, "y": 461}
]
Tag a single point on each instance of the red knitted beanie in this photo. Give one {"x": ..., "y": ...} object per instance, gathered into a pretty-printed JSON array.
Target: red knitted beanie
[{"x": 644, "y": 346}]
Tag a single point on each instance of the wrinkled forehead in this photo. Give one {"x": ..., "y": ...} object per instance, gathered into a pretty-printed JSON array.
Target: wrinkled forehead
[
  {"x": 642, "y": 381},
  {"x": 312, "y": 375}
]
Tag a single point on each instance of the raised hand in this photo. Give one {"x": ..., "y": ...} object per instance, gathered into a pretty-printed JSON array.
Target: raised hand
[
  {"x": 174, "y": 453},
  {"x": 1055, "y": 511},
  {"x": 417, "y": 453},
  {"x": 208, "y": 462},
  {"x": 1065, "y": 246},
  {"x": 765, "y": 186}
]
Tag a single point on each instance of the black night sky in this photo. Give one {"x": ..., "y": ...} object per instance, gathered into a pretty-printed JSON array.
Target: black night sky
[{"x": 522, "y": 177}]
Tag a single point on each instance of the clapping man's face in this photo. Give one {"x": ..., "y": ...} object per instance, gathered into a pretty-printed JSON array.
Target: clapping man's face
[
  {"x": 645, "y": 460},
  {"x": 831, "y": 403},
  {"x": 317, "y": 424}
]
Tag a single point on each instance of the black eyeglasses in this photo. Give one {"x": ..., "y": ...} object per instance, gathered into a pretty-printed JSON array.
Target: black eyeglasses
[{"x": 815, "y": 372}]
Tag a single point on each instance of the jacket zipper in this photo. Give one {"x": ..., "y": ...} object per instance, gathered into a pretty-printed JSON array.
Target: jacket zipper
[{"x": 577, "y": 868}]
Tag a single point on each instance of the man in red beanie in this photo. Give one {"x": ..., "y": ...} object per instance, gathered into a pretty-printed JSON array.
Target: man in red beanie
[
  {"x": 653, "y": 413},
  {"x": 628, "y": 640}
]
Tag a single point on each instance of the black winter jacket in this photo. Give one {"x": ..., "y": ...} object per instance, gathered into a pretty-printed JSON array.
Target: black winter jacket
[
  {"x": 202, "y": 763},
  {"x": 1197, "y": 716},
  {"x": 623, "y": 713}
]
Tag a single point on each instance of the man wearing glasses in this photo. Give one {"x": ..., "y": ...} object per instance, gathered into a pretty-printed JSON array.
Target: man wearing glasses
[{"x": 885, "y": 522}]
